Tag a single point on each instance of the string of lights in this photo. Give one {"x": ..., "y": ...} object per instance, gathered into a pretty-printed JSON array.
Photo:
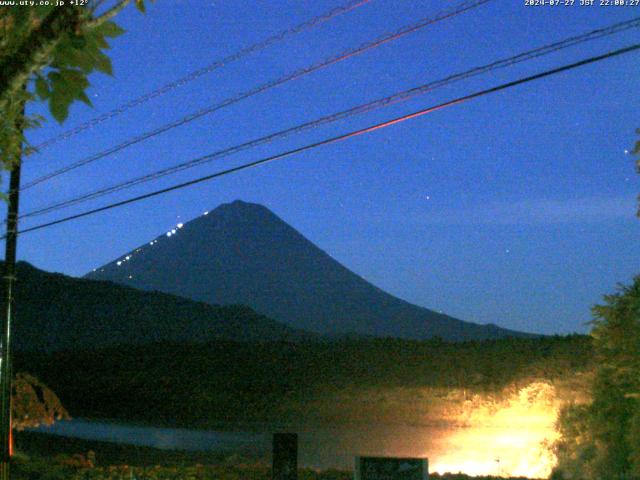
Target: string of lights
[
  {"x": 445, "y": 14},
  {"x": 339, "y": 138},
  {"x": 244, "y": 52},
  {"x": 368, "y": 107}
]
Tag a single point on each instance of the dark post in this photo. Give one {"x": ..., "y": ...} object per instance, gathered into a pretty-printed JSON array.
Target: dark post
[
  {"x": 9, "y": 278},
  {"x": 285, "y": 456}
]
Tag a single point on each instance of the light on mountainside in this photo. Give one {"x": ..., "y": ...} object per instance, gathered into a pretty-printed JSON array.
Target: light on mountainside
[{"x": 297, "y": 269}]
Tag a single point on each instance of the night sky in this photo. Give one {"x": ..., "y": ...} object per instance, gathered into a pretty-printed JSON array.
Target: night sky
[{"x": 517, "y": 208}]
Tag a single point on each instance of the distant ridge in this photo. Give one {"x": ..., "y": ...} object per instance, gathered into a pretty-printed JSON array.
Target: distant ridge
[
  {"x": 242, "y": 253},
  {"x": 57, "y": 312}
]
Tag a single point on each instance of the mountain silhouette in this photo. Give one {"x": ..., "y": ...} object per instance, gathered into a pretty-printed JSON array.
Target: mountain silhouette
[
  {"x": 57, "y": 312},
  {"x": 242, "y": 253}
]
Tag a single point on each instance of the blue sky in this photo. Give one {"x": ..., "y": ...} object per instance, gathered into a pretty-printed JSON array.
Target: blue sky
[{"x": 516, "y": 208}]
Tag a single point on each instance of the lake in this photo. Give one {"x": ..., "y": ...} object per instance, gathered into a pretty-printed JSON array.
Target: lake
[
  {"x": 318, "y": 447},
  {"x": 503, "y": 449}
]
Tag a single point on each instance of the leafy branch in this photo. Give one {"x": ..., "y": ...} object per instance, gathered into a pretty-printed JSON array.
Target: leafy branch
[{"x": 51, "y": 51}]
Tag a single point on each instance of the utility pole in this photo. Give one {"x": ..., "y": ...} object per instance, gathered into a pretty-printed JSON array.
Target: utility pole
[{"x": 9, "y": 279}]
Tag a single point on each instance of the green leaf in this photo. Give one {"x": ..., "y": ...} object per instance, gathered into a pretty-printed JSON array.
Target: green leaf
[
  {"x": 53, "y": 76},
  {"x": 140, "y": 5},
  {"x": 83, "y": 98},
  {"x": 67, "y": 85},
  {"x": 98, "y": 40},
  {"x": 103, "y": 64},
  {"x": 65, "y": 55},
  {"x": 42, "y": 87},
  {"x": 77, "y": 41},
  {"x": 109, "y": 29},
  {"x": 59, "y": 108},
  {"x": 74, "y": 78},
  {"x": 33, "y": 121}
]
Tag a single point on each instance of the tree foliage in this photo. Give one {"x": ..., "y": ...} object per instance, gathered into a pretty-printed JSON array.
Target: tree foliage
[
  {"x": 201, "y": 385},
  {"x": 47, "y": 53},
  {"x": 602, "y": 440}
]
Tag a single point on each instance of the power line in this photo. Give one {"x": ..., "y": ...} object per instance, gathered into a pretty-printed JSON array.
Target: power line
[
  {"x": 256, "y": 47},
  {"x": 370, "y": 106},
  {"x": 339, "y": 138},
  {"x": 449, "y": 13}
]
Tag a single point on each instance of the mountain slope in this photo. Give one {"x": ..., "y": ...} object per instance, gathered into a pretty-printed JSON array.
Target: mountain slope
[
  {"x": 56, "y": 312},
  {"x": 242, "y": 253}
]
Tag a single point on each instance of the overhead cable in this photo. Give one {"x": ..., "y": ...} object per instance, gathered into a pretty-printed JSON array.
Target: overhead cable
[
  {"x": 446, "y": 14},
  {"x": 244, "y": 52},
  {"x": 338, "y": 138},
  {"x": 367, "y": 107}
]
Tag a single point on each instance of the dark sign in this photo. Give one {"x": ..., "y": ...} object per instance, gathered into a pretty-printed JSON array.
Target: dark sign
[
  {"x": 285, "y": 456},
  {"x": 390, "y": 468}
]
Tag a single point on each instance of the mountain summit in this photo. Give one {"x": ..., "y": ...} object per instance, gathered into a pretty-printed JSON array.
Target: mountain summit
[{"x": 242, "y": 253}]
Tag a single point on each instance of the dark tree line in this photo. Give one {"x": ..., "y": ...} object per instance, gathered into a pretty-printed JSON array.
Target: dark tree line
[
  {"x": 601, "y": 440},
  {"x": 200, "y": 384}
]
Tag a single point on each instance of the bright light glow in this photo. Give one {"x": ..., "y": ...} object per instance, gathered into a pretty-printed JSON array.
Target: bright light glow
[
  {"x": 119, "y": 262},
  {"x": 180, "y": 225},
  {"x": 127, "y": 257},
  {"x": 512, "y": 437},
  {"x": 206, "y": 213},
  {"x": 173, "y": 230},
  {"x": 168, "y": 234}
]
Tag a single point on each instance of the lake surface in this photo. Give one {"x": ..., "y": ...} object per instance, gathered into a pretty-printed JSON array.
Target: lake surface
[
  {"x": 504, "y": 449},
  {"x": 318, "y": 447}
]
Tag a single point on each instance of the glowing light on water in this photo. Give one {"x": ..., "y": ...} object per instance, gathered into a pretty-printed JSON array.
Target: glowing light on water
[{"x": 505, "y": 438}]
